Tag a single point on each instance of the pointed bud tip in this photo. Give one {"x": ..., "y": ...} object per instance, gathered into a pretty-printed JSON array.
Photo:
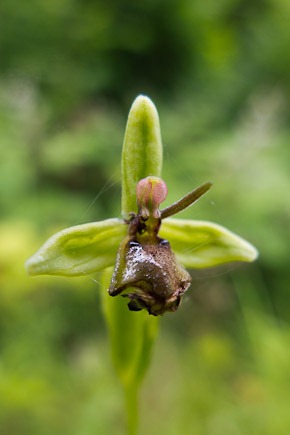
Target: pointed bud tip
[
  {"x": 142, "y": 100},
  {"x": 144, "y": 105}
]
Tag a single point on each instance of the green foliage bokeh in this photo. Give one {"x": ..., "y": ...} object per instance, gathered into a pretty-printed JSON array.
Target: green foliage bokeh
[{"x": 218, "y": 73}]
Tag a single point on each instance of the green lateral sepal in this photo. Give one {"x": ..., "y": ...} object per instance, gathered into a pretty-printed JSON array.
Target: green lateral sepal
[{"x": 86, "y": 248}]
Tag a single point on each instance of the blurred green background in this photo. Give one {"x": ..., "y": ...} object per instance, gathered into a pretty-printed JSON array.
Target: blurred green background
[{"x": 219, "y": 73}]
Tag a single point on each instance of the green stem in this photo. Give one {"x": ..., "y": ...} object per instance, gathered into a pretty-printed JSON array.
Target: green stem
[
  {"x": 131, "y": 399},
  {"x": 132, "y": 336}
]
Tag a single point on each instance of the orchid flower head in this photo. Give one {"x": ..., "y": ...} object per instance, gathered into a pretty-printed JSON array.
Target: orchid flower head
[{"x": 147, "y": 247}]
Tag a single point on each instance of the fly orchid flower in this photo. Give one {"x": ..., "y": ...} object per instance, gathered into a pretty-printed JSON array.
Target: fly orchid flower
[{"x": 149, "y": 249}]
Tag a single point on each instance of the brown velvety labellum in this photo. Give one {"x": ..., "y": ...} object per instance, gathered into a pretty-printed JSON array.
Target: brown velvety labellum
[{"x": 149, "y": 275}]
